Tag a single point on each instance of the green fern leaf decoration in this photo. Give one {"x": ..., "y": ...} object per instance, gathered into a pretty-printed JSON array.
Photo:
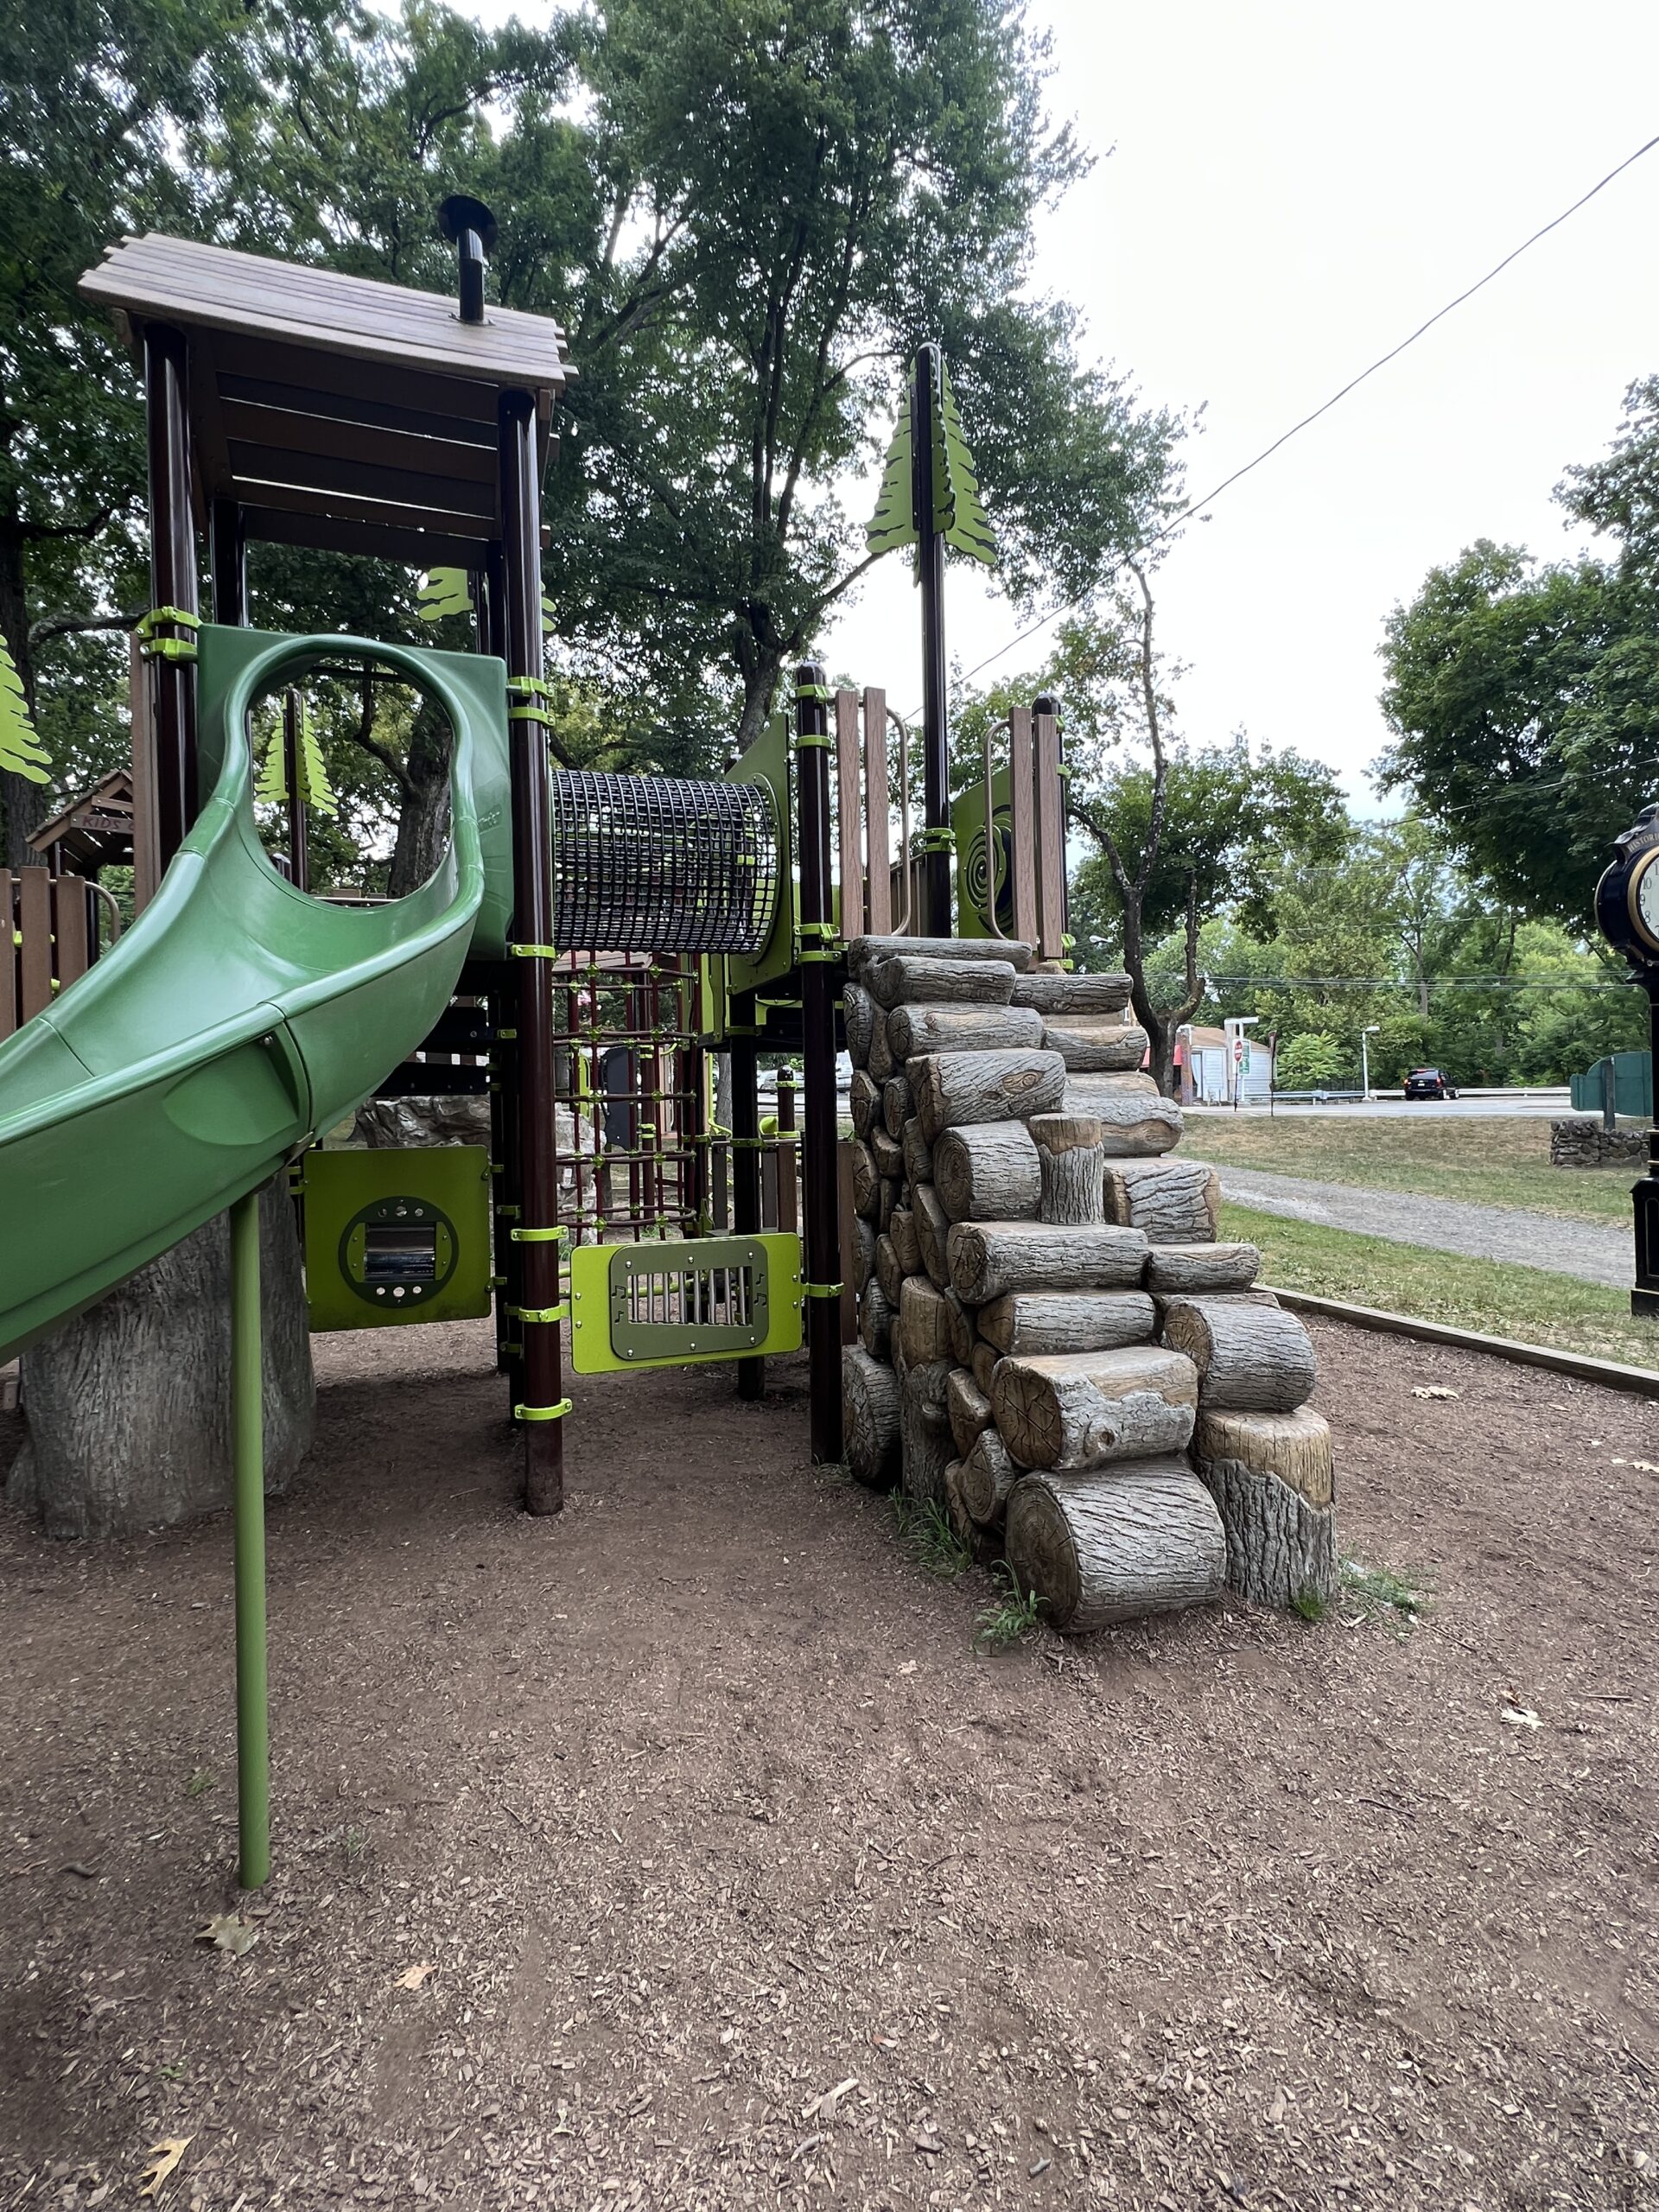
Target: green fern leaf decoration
[
  {"x": 21, "y": 752},
  {"x": 318, "y": 791},
  {"x": 893, "y": 523},
  {"x": 270, "y": 788},
  {"x": 445, "y": 591},
  {"x": 546, "y": 616},
  {"x": 959, "y": 511}
]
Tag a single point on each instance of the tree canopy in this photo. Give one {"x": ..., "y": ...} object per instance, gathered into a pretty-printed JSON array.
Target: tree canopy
[{"x": 1525, "y": 696}]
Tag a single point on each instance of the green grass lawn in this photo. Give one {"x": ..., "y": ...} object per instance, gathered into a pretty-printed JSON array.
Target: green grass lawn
[
  {"x": 1499, "y": 1300},
  {"x": 1500, "y": 1160}
]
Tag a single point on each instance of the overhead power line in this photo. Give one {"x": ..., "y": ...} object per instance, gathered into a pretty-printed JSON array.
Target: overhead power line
[{"x": 1324, "y": 407}]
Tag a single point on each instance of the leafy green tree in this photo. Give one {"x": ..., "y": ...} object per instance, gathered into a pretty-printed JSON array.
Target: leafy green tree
[
  {"x": 1312, "y": 1061},
  {"x": 1524, "y": 699}
]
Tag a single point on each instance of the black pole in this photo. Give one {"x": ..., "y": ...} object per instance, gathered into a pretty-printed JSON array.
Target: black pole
[
  {"x": 172, "y": 581},
  {"x": 930, "y": 559},
  {"x": 298, "y": 870},
  {"x": 536, "y": 1232},
  {"x": 819, "y": 990},
  {"x": 230, "y": 557},
  {"x": 746, "y": 1157},
  {"x": 1644, "y": 1195}
]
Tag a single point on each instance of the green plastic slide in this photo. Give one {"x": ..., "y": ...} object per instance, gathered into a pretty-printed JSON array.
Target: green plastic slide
[{"x": 239, "y": 1017}]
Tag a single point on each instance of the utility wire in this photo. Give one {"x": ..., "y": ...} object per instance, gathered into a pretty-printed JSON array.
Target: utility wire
[{"x": 1284, "y": 438}]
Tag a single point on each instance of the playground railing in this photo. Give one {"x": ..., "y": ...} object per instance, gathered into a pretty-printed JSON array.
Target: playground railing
[{"x": 48, "y": 938}]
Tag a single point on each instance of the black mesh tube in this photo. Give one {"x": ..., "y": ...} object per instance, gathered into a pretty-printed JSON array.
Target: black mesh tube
[{"x": 662, "y": 864}]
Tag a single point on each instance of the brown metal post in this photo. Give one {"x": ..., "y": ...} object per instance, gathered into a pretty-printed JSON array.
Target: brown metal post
[
  {"x": 541, "y": 1366},
  {"x": 298, "y": 869},
  {"x": 818, "y": 985},
  {"x": 172, "y": 579},
  {"x": 930, "y": 563},
  {"x": 789, "y": 1212},
  {"x": 746, "y": 1156},
  {"x": 229, "y": 549}
]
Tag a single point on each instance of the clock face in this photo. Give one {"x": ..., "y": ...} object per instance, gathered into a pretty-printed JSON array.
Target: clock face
[{"x": 1644, "y": 898}]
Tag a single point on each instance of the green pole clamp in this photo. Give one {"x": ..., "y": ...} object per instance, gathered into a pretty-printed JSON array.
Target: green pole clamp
[
  {"x": 538, "y": 1236},
  {"x": 814, "y": 691},
  {"x": 823, "y": 1289},
  {"x": 939, "y": 839},
  {"x": 809, "y": 737},
  {"x": 533, "y": 952},
  {"x": 542, "y": 1413},
  {"x": 546, "y": 1315},
  {"x": 498, "y": 1282},
  {"x": 509, "y": 1213},
  {"x": 152, "y": 646},
  {"x": 538, "y": 691}
]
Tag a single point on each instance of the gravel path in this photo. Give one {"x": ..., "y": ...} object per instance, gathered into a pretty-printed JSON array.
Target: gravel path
[{"x": 1594, "y": 1251}]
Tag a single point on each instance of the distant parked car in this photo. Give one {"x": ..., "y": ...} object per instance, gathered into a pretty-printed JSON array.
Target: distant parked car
[{"x": 1429, "y": 1082}]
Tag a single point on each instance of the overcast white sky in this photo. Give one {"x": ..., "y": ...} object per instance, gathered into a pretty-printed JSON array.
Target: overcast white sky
[{"x": 1284, "y": 189}]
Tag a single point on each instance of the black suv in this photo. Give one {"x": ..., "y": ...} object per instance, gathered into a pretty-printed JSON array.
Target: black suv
[{"x": 1429, "y": 1082}]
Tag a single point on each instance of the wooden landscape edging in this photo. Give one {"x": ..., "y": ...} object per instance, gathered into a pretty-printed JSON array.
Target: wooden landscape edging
[{"x": 1611, "y": 1374}]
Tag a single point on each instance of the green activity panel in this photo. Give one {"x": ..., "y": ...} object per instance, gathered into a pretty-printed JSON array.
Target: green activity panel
[
  {"x": 394, "y": 1237},
  {"x": 683, "y": 1301}
]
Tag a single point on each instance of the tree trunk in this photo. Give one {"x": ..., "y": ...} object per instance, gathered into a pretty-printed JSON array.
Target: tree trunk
[
  {"x": 955, "y": 1090},
  {"x": 889, "y": 1270},
  {"x": 1135, "y": 1123},
  {"x": 1071, "y": 1410},
  {"x": 129, "y": 1405},
  {"x": 925, "y": 1436},
  {"x": 870, "y": 1413},
  {"x": 987, "y": 1258},
  {"x": 902, "y": 1229},
  {"x": 932, "y": 1233},
  {"x": 988, "y": 1172},
  {"x": 913, "y": 1030},
  {"x": 1083, "y": 995},
  {"x": 875, "y": 1321},
  {"x": 983, "y": 1362},
  {"x": 864, "y": 1100},
  {"x": 864, "y": 952},
  {"x": 919, "y": 1156},
  {"x": 922, "y": 1333},
  {"x": 1177, "y": 1303},
  {"x": 1273, "y": 1478},
  {"x": 1255, "y": 1358},
  {"x": 1172, "y": 1201},
  {"x": 904, "y": 979},
  {"x": 1030, "y": 1321},
  {"x": 988, "y": 1477},
  {"x": 1189, "y": 1269},
  {"x": 1091, "y": 1046},
  {"x": 1069, "y": 1154},
  {"x": 424, "y": 815},
  {"x": 858, "y": 1009},
  {"x": 1111, "y": 1546},
  {"x": 969, "y": 1409},
  {"x": 896, "y": 1108}
]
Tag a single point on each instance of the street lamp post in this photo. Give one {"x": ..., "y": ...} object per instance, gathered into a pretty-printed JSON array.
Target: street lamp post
[{"x": 1366, "y": 1063}]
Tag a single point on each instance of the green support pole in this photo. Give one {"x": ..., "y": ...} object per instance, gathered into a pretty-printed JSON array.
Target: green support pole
[{"x": 248, "y": 1463}]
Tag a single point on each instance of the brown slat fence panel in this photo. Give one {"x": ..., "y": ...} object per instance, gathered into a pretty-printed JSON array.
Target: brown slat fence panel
[
  {"x": 34, "y": 921},
  {"x": 848, "y": 839},
  {"x": 1050, "y": 839},
  {"x": 69, "y": 897},
  {"x": 8, "y": 954},
  {"x": 1022, "y": 857},
  {"x": 878, "y": 866}
]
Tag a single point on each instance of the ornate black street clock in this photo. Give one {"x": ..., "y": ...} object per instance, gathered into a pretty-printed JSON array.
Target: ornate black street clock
[{"x": 1627, "y": 911}]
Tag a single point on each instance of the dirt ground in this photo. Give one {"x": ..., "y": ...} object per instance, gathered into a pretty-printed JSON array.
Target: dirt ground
[{"x": 730, "y": 1875}]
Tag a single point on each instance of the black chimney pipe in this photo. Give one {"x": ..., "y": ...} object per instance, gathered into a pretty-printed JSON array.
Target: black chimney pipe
[{"x": 470, "y": 227}]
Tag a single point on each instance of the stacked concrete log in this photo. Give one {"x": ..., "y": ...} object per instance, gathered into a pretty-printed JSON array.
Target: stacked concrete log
[{"x": 1054, "y": 1346}]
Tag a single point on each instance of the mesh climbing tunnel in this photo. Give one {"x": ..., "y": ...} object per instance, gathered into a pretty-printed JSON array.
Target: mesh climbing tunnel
[{"x": 663, "y": 864}]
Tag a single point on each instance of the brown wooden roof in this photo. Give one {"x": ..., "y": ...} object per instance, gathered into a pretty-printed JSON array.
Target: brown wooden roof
[
  {"x": 94, "y": 829},
  {"x": 339, "y": 412}
]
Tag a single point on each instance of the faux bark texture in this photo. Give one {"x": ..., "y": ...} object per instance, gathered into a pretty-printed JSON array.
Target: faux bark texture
[
  {"x": 864, "y": 1100},
  {"x": 987, "y": 1258},
  {"x": 913, "y": 1030},
  {"x": 902, "y": 1229},
  {"x": 875, "y": 1321},
  {"x": 1136, "y": 1120},
  {"x": 889, "y": 1269},
  {"x": 932, "y": 1232},
  {"x": 1073, "y": 1410},
  {"x": 1274, "y": 1483},
  {"x": 963, "y": 1332},
  {"x": 988, "y": 1477},
  {"x": 129, "y": 1405},
  {"x": 1033, "y": 1321},
  {"x": 869, "y": 1417},
  {"x": 1051, "y": 993},
  {"x": 925, "y": 1440},
  {"x": 919, "y": 1155},
  {"x": 889, "y": 1155},
  {"x": 1195, "y": 1268},
  {"x": 1171, "y": 1201},
  {"x": 863, "y": 1253},
  {"x": 858, "y": 1009},
  {"x": 904, "y": 979},
  {"x": 1091, "y": 1046},
  {"x": 983, "y": 1362},
  {"x": 988, "y": 1172},
  {"x": 896, "y": 1107},
  {"x": 1116, "y": 1545},
  {"x": 866, "y": 1180},
  {"x": 880, "y": 1063},
  {"x": 1069, "y": 1160},
  {"x": 954, "y": 1089},
  {"x": 864, "y": 952},
  {"x": 924, "y": 1322},
  {"x": 968, "y": 1410},
  {"x": 1254, "y": 1358}
]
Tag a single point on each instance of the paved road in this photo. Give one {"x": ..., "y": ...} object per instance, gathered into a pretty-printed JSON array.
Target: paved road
[
  {"x": 1593, "y": 1251},
  {"x": 1540, "y": 1103}
]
